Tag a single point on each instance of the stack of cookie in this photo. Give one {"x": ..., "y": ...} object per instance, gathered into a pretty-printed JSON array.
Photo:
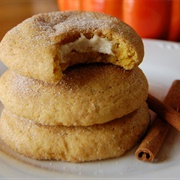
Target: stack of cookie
[{"x": 73, "y": 91}]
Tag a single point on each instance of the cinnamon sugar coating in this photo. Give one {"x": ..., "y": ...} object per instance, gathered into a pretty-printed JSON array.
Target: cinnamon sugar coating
[{"x": 33, "y": 48}]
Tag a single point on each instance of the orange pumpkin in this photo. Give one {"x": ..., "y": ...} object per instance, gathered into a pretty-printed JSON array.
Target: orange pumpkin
[
  {"x": 150, "y": 18},
  {"x": 174, "y": 31},
  {"x": 157, "y": 19}
]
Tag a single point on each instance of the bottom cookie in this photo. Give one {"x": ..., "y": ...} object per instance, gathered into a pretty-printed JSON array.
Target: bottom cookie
[{"x": 75, "y": 144}]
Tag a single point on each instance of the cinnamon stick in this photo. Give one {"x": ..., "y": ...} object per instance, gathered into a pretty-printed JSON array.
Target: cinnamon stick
[
  {"x": 151, "y": 144},
  {"x": 178, "y": 109},
  {"x": 164, "y": 111}
]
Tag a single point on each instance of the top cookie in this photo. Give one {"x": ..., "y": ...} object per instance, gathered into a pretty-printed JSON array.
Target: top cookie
[{"x": 43, "y": 46}]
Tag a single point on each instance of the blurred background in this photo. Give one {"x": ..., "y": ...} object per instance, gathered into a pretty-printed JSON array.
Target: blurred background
[
  {"x": 12, "y": 12},
  {"x": 155, "y": 19}
]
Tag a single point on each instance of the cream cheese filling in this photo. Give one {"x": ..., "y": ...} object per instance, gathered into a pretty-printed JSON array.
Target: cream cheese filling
[{"x": 82, "y": 44}]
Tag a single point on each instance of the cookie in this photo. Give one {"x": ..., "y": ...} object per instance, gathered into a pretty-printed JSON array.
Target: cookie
[
  {"x": 75, "y": 144},
  {"x": 45, "y": 45},
  {"x": 86, "y": 95}
]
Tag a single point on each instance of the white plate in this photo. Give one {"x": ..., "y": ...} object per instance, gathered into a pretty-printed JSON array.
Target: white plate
[{"x": 161, "y": 66}]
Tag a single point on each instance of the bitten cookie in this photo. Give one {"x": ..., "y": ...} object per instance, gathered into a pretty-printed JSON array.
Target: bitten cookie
[
  {"x": 86, "y": 95},
  {"x": 76, "y": 144},
  {"x": 43, "y": 46}
]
